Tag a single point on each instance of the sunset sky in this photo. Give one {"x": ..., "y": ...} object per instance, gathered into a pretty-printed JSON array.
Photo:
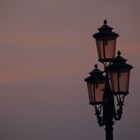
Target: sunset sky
[{"x": 46, "y": 51}]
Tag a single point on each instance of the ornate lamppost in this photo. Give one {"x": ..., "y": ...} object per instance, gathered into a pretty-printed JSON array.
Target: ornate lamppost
[{"x": 111, "y": 83}]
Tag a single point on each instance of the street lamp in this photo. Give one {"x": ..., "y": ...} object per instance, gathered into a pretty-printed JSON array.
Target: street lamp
[
  {"x": 96, "y": 85},
  {"x": 113, "y": 81},
  {"x": 106, "y": 43},
  {"x": 119, "y": 75}
]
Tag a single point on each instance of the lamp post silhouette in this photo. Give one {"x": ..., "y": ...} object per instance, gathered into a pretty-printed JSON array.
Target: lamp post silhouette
[{"x": 104, "y": 87}]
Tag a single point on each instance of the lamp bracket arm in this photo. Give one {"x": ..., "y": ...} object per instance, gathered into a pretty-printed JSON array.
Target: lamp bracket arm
[
  {"x": 118, "y": 113},
  {"x": 99, "y": 116}
]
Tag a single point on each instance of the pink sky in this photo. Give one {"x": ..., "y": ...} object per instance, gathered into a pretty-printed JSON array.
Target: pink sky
[{"x": 46, "y": 51}]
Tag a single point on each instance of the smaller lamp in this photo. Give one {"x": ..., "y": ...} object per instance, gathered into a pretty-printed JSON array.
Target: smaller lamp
[
  {"x": 119, "y": 75},
  {"x": 106, "y": 43},
  {"x": 96, "y": 86}
]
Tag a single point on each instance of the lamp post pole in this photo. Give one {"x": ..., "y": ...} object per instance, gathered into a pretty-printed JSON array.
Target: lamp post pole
[
  {"x": 108, "y": 110},
  {"x": 111, "y": 83}
]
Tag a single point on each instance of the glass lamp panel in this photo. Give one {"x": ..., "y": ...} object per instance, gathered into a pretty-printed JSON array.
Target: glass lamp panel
[
  {"x": 120, "y": 82},
  {"x": 99, "y": 45},
  {"x": 106, "y": 48},
  {"x": 91, "y": 92},
  {"x": 124, "y": 81},
  {"x": 114, "y": 82},
  {"x": 99, "y": 92}
]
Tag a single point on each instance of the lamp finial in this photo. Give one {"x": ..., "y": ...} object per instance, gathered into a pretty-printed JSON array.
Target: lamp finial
[
  {"x": 118, "y": 53},
  {"x": 96, "y": 66},
  {"x": 105, "y": 22}
]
